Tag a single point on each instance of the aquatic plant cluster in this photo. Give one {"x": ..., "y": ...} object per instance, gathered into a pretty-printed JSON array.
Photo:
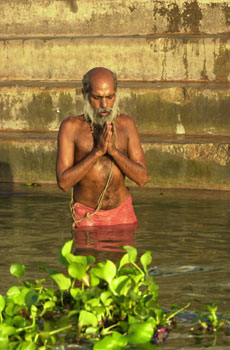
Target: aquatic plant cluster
[{"x": 106, "y": 305}]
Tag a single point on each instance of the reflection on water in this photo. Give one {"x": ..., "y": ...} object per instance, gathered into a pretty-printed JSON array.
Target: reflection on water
[
  {"x": 188, "y": 233},
  {"x": 101, "y": 240}
]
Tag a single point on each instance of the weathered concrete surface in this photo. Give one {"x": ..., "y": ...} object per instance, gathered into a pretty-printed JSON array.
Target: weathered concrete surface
[
  {"x": 25, "y": 157},
  {"x": 134, "y": 58},
  {"x": 176, "y": 163},
  {"x": 203, "y": 166},
  {"x": 199, "y": 109},
  {"x": 145, "y": 41},
  {"x": 36, "y": 108},
  {"x": 89, "y": 17}
]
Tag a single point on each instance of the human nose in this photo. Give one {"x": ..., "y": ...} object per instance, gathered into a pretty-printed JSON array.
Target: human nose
[{"x": 103, "y": 102}]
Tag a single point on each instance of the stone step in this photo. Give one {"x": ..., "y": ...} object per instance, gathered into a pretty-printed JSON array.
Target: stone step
[
  {"x": 173, "y": 161},
  {"x": 134, "y": 58},
  {"x": 113, "y": 17},
  {"x": 158, "y": 108}
]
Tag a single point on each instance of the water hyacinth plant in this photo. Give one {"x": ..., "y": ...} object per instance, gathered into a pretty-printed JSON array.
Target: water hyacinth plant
[{"x": 106, "y": 305}]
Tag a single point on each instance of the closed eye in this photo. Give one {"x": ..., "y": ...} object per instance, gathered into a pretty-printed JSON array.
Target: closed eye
[{"x": 97, "y": 97}]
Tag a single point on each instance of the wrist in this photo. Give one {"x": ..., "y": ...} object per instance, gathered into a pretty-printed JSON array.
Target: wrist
[
  {"x": 112, "y": 152},
  {"x": 98, "y": 152}
]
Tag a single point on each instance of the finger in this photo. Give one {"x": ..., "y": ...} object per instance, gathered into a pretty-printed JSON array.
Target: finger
[{"x": 104, "y": 131}]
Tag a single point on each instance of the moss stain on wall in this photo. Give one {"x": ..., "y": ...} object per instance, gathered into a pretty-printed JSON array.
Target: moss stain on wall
[
  {"x": 192, "y": 15},
  {"x": 150, "y": 112},
  {"x": 226, "y": 11},
  {"x": 189, "y": 18},
  {"x": 73, "y": 5},
  {"x": 222, "y": 62},
  {"x": 40, "y": 111},
  {"x": 65, "y": 104},
  {"x": 172, "y": 13}
]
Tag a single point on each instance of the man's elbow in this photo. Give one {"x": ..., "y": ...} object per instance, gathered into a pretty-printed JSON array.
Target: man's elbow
[
  {"x": 143, "y": 181},
  {"x": 62, "y": 185}
]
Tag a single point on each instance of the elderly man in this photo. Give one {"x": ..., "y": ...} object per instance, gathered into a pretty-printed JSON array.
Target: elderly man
[{"x": 96, "y": 151}]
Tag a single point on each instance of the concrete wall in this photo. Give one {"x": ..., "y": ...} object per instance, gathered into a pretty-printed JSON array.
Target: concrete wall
[
  {"x": 113, "y": 17},
  {"x": 156, "y": 108},
  {"x": 173, "y": 63},
  {"x": 180, "y": 58}
]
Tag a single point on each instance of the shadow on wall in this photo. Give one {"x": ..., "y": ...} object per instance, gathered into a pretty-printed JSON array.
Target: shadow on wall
[{"x": 5, "y": 173}]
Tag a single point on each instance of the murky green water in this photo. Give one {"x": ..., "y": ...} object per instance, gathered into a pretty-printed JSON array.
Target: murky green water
[{"x": 187, "y": 231}]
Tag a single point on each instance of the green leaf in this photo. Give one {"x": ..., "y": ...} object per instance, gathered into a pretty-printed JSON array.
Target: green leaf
[
  {"x": 2, "y": 303},
  {"x": 121, "y": 285},
  {"x": 13, "y": 291},
  {"x": 146, "y": 259},
  {"x": 62, "y": 260},
  {"x": 87, "y": 319},
  {"x": 140, "y": 333},
  {"x": 129, "y": 257},
  {"x": 30, "y": 334},
  {"x": 66, "y": 250},
  {"x": 137, "y": 278},
  {"x": 77, "y": 270},
  {"x": 6, "y": 330},
  {"x": 17, "y": 270},
  {"x": 75, "y": 292},
  {"x": 62, "y": 281},
  {"x": 94, "y": 280},
  {"x": 91, "y": 331},
  {"x": 105, "y": 270},
  {"x": 107, "y": 343},
  {"x": 52, "y": 340},
  {"x": 9, "y": 309},
  {"x": 93, "y": 302},
  {"x": 26, "y": 345},
  {"x": 120, "y": 338},
  {"x": 79, "y": 259},
  {"x": 114, "y": 342},
  {"x": 19, "y": 321},
  {"x": 66, "y": 257},
  {"x": 20, "y": 298},
  {"x": 106, "y": 298},
  {"x": 72, "y": 313},
  {"x": 31, "y": 298},
  {"x": 90, "y": 259},
  {"x": 4, "y": 342},
  {"x": 49, "y": 305},
  {"x": 132, "y": 252}
]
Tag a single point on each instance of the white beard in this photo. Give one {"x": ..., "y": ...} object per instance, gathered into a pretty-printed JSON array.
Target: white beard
[{"x": 95, "y": 118}]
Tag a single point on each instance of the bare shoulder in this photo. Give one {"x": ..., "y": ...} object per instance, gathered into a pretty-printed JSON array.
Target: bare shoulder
[
  {"x": 71, "y": 125},
  {"x": 124, "y": 119},
  {"x": 72, "y": 122},
  {"x": 126, "y": 123}
]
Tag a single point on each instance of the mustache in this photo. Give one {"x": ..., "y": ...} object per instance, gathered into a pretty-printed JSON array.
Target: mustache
[{"x": 104, "y": 110}]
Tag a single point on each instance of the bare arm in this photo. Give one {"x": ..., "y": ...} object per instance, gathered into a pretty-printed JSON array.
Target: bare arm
[
  {"x": 68, "y": 174},
  {"x": 133, "y": 166}
]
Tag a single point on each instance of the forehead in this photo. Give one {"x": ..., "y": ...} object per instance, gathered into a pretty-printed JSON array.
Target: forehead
[{"x": 102, "y": 84}]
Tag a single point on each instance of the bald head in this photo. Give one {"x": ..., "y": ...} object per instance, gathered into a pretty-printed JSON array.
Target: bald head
[{"x": 98, "y": 74}]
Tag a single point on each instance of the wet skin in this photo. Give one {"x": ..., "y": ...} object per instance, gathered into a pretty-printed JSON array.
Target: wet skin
[{"x": 84, "y": 159}]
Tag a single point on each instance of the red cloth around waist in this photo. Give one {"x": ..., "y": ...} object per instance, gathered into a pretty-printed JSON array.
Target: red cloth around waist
[{"x": 124, "y": 214}]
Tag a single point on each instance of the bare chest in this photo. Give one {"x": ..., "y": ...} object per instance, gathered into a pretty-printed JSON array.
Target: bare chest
[{"x": 86, "y": 142}]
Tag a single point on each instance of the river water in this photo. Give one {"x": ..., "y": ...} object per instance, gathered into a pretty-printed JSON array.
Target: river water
[{"x": 188, "y": 233}]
